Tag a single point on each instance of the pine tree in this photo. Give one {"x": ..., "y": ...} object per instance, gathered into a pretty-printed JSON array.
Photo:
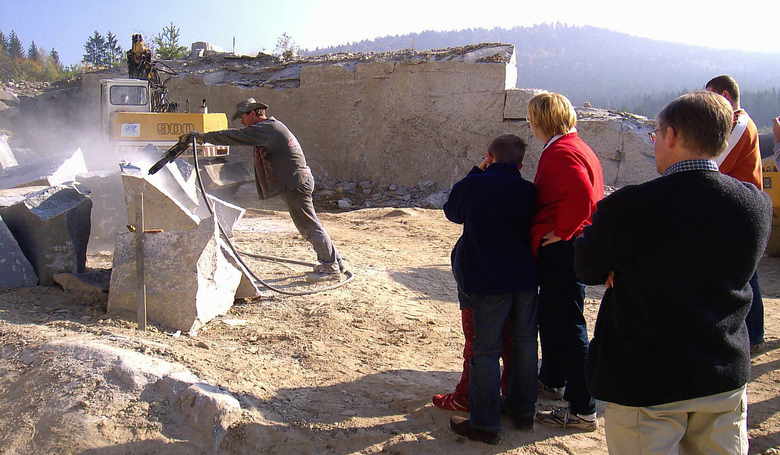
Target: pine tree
[
  {"x": 3, "y": 45},
  {"x": 54, "y": 57},
  {"x": 167, "y": 43},
  {"x": 113, "y": 50},
  {"x": 15, "y": 49},
  {"x": 33, "y": 53},
  {"x": 94, "y": 49}
]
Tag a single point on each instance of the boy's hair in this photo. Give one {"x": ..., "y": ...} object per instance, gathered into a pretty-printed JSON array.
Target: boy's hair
[
  {"x": 552, "y": 113},
  {"x": 702, "y": 119},
  {"x": 508, "y": 148},
  {"x": 725, "y": 83}
]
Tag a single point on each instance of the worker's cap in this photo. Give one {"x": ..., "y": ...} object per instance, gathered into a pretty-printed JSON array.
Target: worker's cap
[{"x": 248, "y": 105}]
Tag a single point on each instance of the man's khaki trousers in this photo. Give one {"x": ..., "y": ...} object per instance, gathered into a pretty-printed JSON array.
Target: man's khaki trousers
[{"x": 711, "y": 425}]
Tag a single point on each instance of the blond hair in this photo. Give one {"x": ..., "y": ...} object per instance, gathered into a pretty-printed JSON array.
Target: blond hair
[{"x": 552, "y": 113}]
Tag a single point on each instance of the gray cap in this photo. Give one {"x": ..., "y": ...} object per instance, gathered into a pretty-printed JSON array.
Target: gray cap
[{"x": 248, "y": 105}]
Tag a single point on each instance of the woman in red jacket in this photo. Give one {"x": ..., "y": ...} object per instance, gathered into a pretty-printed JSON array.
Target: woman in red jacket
[{"x": 569, "y": 183}]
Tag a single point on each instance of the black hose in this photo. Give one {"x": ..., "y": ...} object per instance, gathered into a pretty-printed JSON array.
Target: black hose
[{"x": 255, "y": 278}]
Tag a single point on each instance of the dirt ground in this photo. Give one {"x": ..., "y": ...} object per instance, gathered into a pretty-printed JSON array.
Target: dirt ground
[{"x": 349, "y": 371}]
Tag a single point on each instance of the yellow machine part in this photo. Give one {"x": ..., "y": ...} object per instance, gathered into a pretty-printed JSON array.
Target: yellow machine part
[
  {"x": 162, "y": 126},
  {"x": 772, "y": 188}
]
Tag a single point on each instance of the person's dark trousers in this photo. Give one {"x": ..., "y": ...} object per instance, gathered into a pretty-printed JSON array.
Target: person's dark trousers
[
  {"x": 755, "y": 317},
  {"x": 490, "y": 315},
  {"x": 301, "y": 208},
  {"x": 562, "y": 328}
]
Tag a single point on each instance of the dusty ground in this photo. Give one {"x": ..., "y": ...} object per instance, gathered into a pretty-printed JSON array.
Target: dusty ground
[{"x": 347, "y": 371}]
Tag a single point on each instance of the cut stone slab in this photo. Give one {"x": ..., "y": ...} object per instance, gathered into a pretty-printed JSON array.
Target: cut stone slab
[
  {"x": 52, "y": 227},
  {"x": 13, "y": 196},
  {"x": 109, "y": 214},
  {"x": 53, "y": 170},
  {"x": 189, "y": 280},
  {"x": 7, "y": 157},
  {"x": 516, "y": 102},
  {"x": 161, "y": 210},
  {"x": 227, "y": 214},
  {"x": 17, "y": 272}
]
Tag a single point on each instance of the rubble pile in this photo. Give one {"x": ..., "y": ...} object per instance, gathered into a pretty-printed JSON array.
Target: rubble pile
[{"x": 365, "y": 194}]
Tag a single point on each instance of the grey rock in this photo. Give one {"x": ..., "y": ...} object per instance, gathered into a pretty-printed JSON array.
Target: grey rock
[
  {"x": 109, "y": 212},
  {"x": 516, "y": 102},
  {"x": 52, "y": 227},
  {"x": 13, "y": 196},
  {"x": 209, "y": 411},
  {"x": 392, "y": 187},
  {"x": 17, "y": 271},
  {"x": 346, "y": 187},
  {"x": 436, "y": 200},
  {"x": 189, "y": 280},
  {"x": 426, "y": 184},
  {"x": 324, "y": 194},
  {"x": 227, "y": 214},
  {"x": 8, "y": 97},
  {"x": 366, "y": 184},
  {"x": 162, "y": 210},
  {"x": 344, "y": 203},
  {"x": 54, "y": 170},
  {"x": 7, "y": 157}
]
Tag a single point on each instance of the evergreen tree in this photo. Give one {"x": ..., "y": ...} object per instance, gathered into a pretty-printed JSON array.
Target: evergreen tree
[
  {"x": 167, "y": 43},
  {"x": 54, "y": 57},
  {"x": 33, "y": 53},
  {"x": 15, "y": 49},
  {"x": 94, "y": 49},
  {"x": 3, "y": 45},
  {"x": 113, "y": 50}
]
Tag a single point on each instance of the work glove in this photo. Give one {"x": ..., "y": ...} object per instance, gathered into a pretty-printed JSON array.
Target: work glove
[{"x": 187, "y": 138}]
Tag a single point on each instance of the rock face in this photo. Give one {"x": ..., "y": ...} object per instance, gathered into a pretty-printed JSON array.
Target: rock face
[
  {"x": 52, "y": 227},
  {"x": 17, "y": 271},
  {"x": 189, "y": 280},
  {"x": 108, "y": 207},
  {"x": 516, "y": 102}
]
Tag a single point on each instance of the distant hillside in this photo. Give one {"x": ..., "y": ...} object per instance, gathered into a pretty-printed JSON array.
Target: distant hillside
[{"x": 607, "y": 68}]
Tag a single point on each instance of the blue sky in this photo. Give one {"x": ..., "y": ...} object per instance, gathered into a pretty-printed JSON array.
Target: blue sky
[{"x": 65, "y": 25}]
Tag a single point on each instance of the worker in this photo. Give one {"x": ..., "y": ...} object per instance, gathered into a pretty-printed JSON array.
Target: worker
[{"x": 280, "y": 169}]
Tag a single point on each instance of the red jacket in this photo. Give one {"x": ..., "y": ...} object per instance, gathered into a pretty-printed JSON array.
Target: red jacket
[{"x": 569, "y": 183}]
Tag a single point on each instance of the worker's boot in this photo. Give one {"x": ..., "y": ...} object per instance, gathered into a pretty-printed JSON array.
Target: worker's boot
[{"x": 324, "y": 272}]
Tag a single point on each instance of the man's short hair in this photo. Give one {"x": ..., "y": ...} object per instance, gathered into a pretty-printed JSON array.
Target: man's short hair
[
  {"x": 552, "y": 113},
  {"x": 508, "y": 148},
  {"x": 725, "y": 83},
  {"x": 702, "y": 119}
]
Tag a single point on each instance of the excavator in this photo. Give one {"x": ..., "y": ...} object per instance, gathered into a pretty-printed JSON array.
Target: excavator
[{"x": 138, "y": 116}]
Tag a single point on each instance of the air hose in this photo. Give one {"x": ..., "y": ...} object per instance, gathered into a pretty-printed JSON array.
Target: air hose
[{"x": 237, "y": 254}]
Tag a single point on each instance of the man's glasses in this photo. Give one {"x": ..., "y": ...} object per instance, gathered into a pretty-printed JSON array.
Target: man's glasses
[{"x": 652, "y": 135}]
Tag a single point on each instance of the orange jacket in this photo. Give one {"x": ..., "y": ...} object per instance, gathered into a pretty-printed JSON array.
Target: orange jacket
[{"x": 744, "y": 161}]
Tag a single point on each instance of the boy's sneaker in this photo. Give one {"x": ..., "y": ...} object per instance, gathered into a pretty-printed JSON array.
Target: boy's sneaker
[
  {"x": 546, "y": 392},
  {"x": 462, "y": 426},
  {"x": 451, "y": 402},
  {"x": 562, "y": 418}
]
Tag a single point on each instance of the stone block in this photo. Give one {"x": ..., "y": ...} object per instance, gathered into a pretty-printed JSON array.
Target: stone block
[
  {"x": 516, "y": 102},
  {"x": 49, "y": 171},
  {"x": 109, "y": 214},
  {"x": 7, "y": 157},
  {"x": 52, "y": 227},
  {"x": 12, "y": 196},
  {"x": 17, "y": 272},
  {"x": 227, "y": 214},
  {"x": 161, "y": 209},
  {"x": 189, "y": 279}
]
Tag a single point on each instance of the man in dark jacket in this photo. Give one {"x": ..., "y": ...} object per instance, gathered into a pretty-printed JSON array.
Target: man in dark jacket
[
  {"x": 495, "y": 272},
  {"x": 280, "y": 168},
  {"x": 670, "y": 352}
]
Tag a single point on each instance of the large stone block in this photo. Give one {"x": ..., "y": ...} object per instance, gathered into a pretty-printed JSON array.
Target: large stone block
[
  {"x": 17, "y": 271},
  {"x": 49, "y": 171},
  {"x": 516, "y": 102},
  {"x": 13, "y": 196},
  {"x": 52, "y": 227},
  {"x": 189, "y": 280},
  {"x": 7, "y": 157},
  {"x": 109, "y": 213},
  {"x": 161, "y": 210}
]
